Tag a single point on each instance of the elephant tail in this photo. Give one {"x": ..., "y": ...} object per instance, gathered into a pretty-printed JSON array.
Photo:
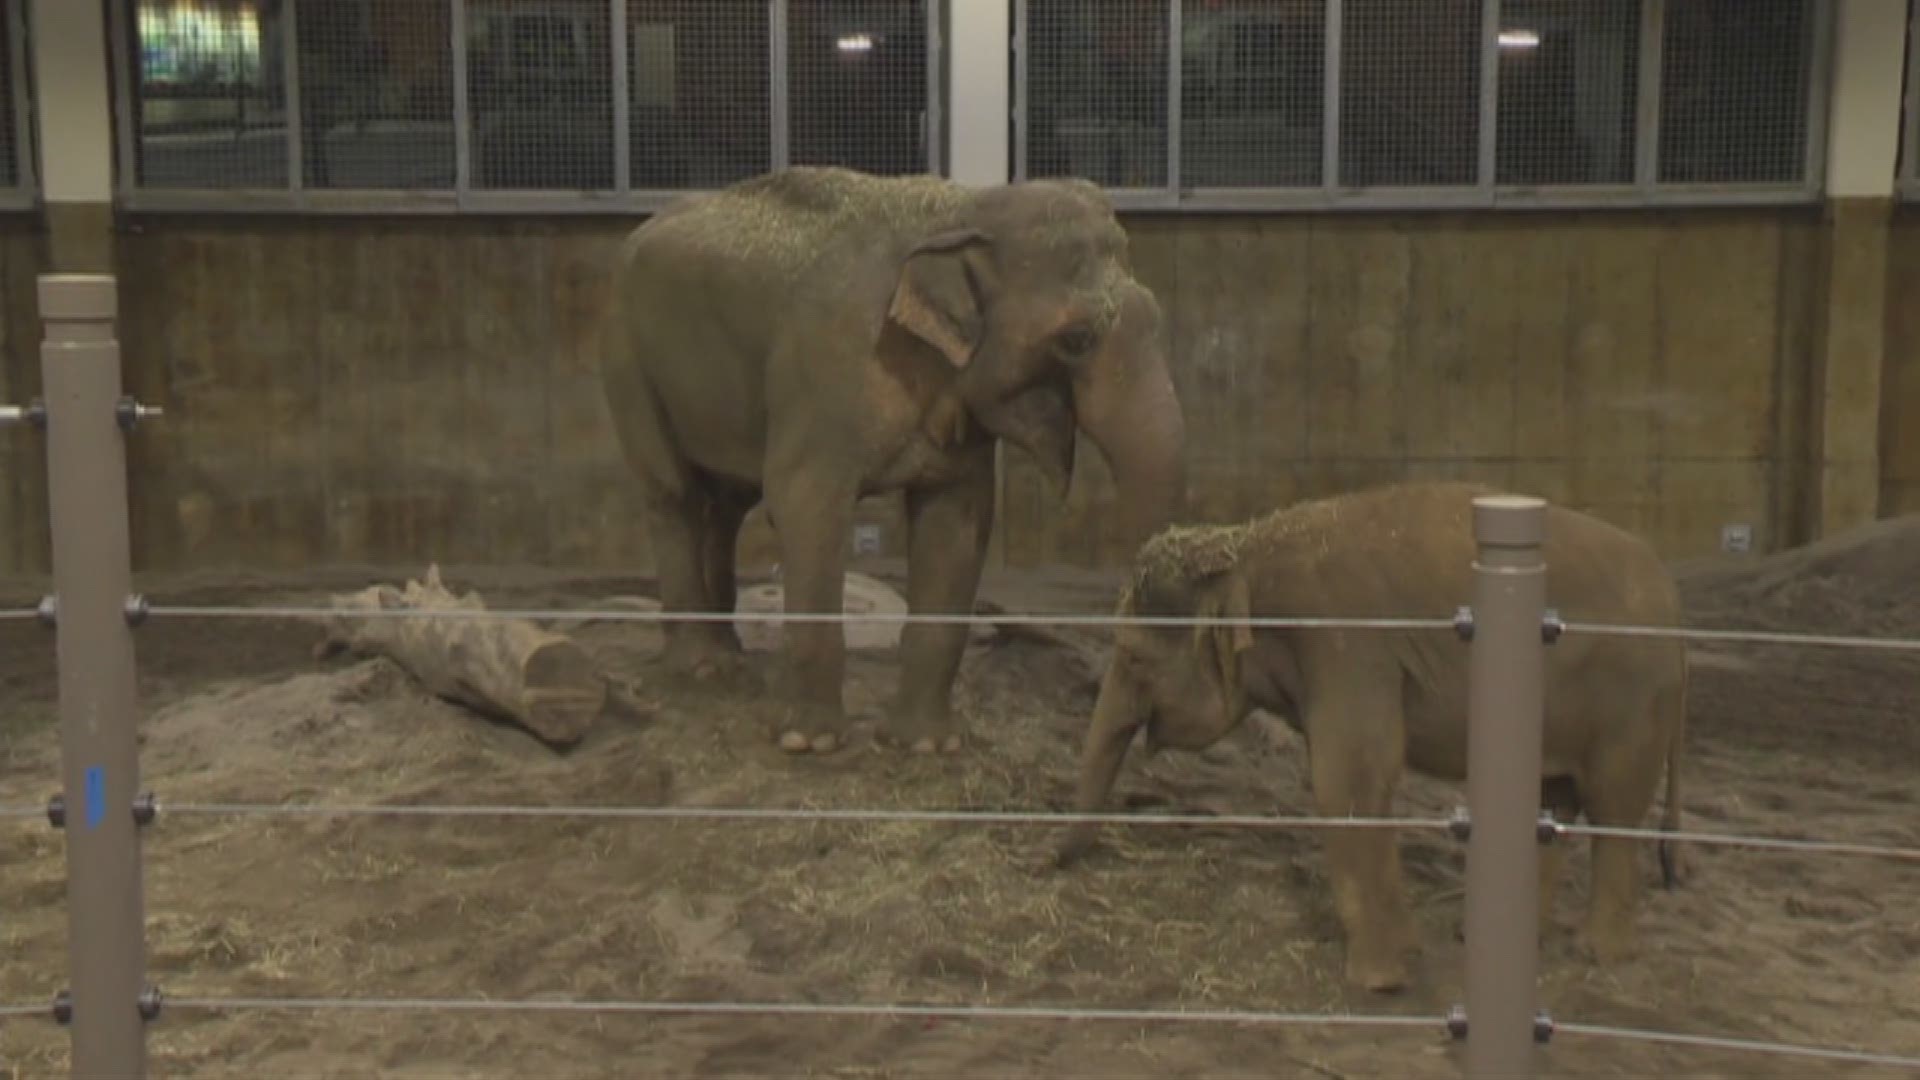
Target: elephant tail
[{"x": 1670, "y": 868}]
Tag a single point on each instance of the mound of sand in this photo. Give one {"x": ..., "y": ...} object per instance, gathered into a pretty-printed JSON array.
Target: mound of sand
[{"x": 1865, "y": 581}]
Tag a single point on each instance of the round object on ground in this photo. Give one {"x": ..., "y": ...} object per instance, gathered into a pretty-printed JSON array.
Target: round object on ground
[{"x": 863, "y": 596}]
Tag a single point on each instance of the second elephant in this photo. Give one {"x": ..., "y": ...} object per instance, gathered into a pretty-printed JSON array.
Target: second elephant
[{"x": 1370, "y": 702}]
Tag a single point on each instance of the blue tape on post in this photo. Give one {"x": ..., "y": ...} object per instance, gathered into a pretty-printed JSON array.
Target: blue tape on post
[{"x": 96, "y": 796}]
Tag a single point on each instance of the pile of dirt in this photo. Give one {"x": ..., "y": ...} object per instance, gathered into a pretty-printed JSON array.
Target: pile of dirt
[{"x": 1865, "y": 581}]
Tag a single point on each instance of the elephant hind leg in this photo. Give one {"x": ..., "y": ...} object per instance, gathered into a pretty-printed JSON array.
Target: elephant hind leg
[
  {"x": 722, "y": 512},
  {"x": 1618, "y": 793},
  {"x": 677, "y": 511},
  {"x": 1356, "y": 750},
  {"x": 1560, "y": 796},
  {"x": 683, "y": 540}
]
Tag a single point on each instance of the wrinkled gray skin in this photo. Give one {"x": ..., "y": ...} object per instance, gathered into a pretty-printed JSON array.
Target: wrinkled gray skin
[
  {"x": 1369, "y": 703},
  {"x": 815, "y": 336}
]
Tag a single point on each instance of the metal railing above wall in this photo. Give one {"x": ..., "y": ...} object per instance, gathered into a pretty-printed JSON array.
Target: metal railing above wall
[
  {"x": 510, "y": 105},
  {"x": 1330, "y": 104}
]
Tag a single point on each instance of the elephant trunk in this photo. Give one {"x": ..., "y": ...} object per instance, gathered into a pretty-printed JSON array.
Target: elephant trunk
[
  {"x": 1124, "y": 400},
  {"x": 1117, "y": 715}
]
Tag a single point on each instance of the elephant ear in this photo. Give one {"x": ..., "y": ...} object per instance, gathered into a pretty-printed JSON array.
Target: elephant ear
[
  {"x": 940, "y": 296},
  {"x": 1225, "y": 597}
]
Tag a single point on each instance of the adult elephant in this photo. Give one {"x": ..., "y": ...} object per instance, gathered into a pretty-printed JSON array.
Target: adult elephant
[{"x": 814, "y": 336}]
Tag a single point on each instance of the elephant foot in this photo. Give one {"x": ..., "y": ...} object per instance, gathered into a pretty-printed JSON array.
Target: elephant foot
[
  {"x": 921, "y": 736},
  {"x": 812, "y": 730},
  {"x": 707, "y": 664},
  {"x": 1610, "y": 945},
  {"x": 1074, "y": 846},
  {"x": 1378, "y": 962},
  {"x": 1378, "y": 974}
]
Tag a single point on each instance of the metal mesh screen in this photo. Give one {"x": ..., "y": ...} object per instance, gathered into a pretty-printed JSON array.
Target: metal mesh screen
[
  {"x": 857, "y": 77},
  {"x": 376, "y": 94},
  {"x": 1410, "y": 93},
  {"x": 10, "y": 137},
  {"x": 1252, "y": 93},
  {"x": 699, "y": 104},
  {"x": 1733, "y": 90},
  {"x": 209, "y": 93},
  {"x": 1569, "y": 74},
  {"x": 1097, "y": 90},
  {"x": 1908, "y": 170},
  {"x": 540, "y": 94}
]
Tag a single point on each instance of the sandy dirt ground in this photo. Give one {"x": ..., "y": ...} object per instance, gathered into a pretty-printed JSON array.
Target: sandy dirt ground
[{"x": 1781, "y": 946}]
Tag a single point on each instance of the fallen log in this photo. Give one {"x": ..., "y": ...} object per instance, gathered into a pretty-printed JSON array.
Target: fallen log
[{"x": 506, "y": 669}]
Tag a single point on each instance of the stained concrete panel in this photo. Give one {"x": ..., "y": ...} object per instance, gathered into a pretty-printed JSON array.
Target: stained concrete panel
[
  {"x": 1900, "y": 383},
  {"x": 1719, "y": 287}
]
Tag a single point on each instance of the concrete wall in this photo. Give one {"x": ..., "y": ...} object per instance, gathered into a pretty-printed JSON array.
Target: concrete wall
[
  {"x": 382, "y": 390},
  {"x": 1900, "y": 386},
  {"x": 410, "y": 390},
  {"x": 1649, "y": 366}
]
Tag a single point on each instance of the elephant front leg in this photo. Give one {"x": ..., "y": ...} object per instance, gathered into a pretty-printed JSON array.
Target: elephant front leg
[
  {"x": 947, "y": 534},
  {"x": 813, "y": 523},
  {"x": 1118, "y": 714},
  {"x": 1356, "y": 765}
]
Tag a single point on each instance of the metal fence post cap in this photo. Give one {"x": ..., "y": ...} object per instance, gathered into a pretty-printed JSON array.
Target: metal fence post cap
[
  {"x": 78, "y": 297},
  {"x": 1509, "y": 520}
]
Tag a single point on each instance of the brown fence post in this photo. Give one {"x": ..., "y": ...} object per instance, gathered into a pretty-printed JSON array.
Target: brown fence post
[
  {"x": 100, "y": 758},
  {"x": 1506, "y": 704}
]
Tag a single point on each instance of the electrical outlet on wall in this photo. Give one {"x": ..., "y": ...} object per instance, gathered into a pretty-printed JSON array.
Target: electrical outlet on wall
[
  {"x": 1736, "y": 537},
  {"x": 866, "y": 539}
]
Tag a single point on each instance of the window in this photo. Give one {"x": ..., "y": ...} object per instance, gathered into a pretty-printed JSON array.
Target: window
[
  {"x": 376, "y": 95},
  {"x": 858, "y": 76},
  {"x": 1443, "y": 102},
  {"x": 699, "y": 107},
  {"x": 1568, "y": 86},
  {"x": 1733, "y": 90},
  {"x": 1252, "y": 93},
  {"x": 476, "y": 103}
]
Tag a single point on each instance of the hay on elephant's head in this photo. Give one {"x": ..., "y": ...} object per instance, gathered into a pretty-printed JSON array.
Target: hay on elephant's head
[{"x": 1170, "y": 561}]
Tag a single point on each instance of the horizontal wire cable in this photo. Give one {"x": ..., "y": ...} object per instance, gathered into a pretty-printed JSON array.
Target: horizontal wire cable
[
  {"x": 1721, "y": 1042},
  {"x": 1010, "y": 619},
  {"x": 267, "y": 611},
  {"x": 1830, "y": 847},
  {"x": 932, "y": 1012},
  {"x": 8, "y": 614},
  {"x": 1750, "y": 637},
  {"x": 701, "y": 813},
  {"x": 8, "y": 1012},
  {"x": 972, "y": 817}
]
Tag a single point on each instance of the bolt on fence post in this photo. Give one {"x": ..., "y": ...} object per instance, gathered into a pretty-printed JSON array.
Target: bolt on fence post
[
  {"x": 100, "y": 757},
  {"x": 1506, "y": 701}
]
